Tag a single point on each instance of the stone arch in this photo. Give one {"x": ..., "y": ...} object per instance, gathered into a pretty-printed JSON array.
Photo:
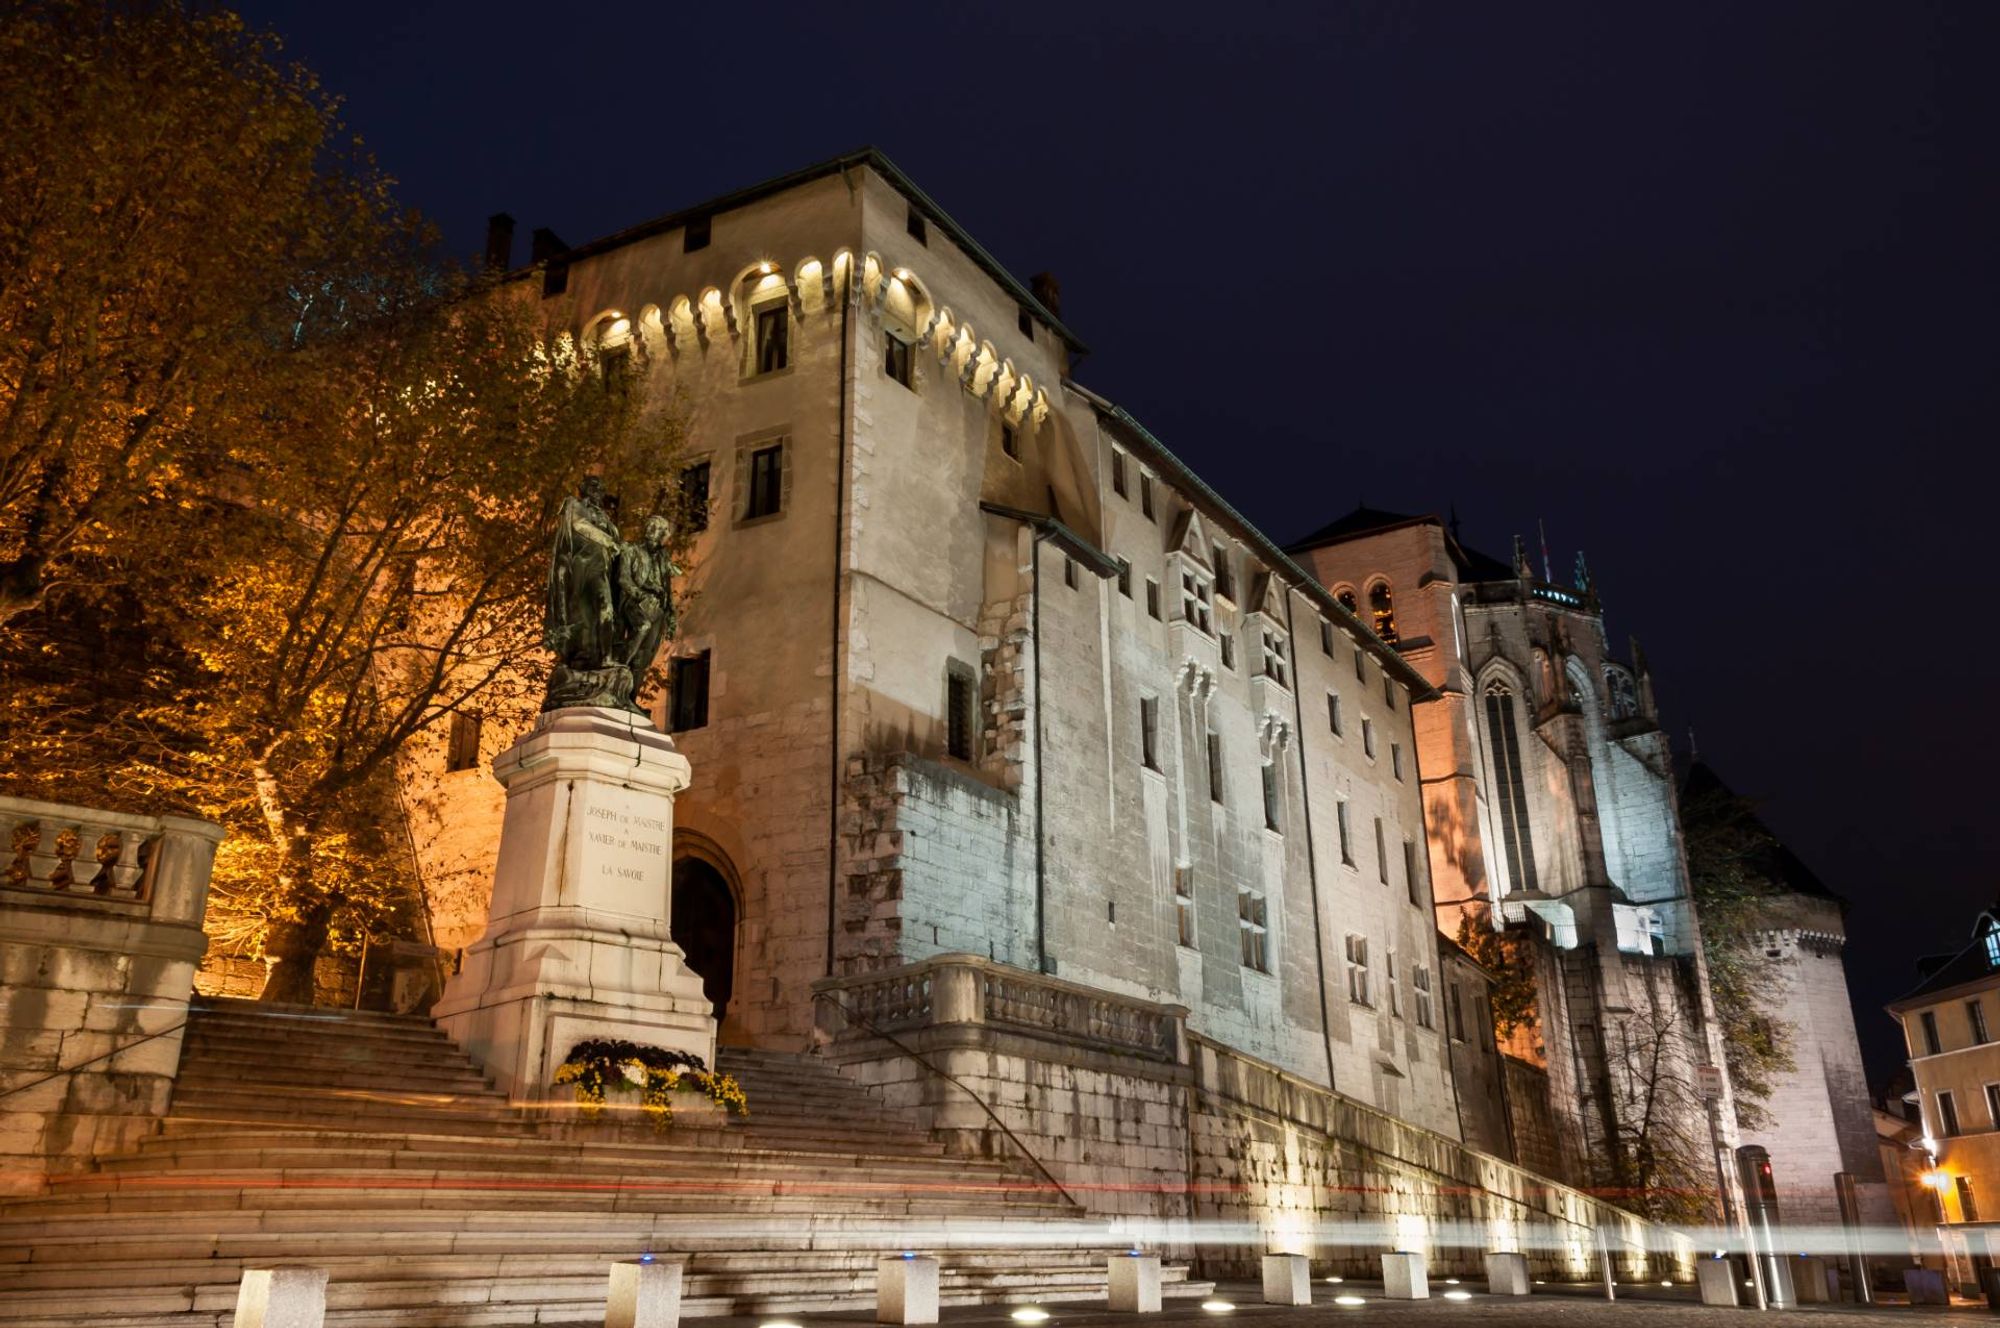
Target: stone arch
[
  {"x": 1382, "y": 609},
  {"x": 706, "y": 912}
]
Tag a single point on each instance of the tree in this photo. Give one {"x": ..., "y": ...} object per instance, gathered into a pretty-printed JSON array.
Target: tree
[{"x": 1508, "y": 956}]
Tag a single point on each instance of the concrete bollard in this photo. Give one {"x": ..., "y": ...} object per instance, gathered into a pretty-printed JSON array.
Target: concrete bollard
[
  {"x": 281, "y": 1298},
  {"x": 1135, "y": 1283},
  {"x": 1287, "y": 1280},
  {"x": 1506, "y": 1273},
  {"x": 1721, "y": 1281},
  {"x": 1809, "y": 1279},
  {"x": 644, "y": 1294},
  {"x": 906, "y": 1289},
  {"x": 1403, "y": 1276}
]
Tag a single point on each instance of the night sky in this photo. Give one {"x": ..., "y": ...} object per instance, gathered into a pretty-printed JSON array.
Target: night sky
[{"x": 1708, "y": 289}]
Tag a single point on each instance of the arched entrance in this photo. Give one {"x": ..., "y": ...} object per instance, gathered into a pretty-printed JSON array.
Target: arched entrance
[{"x": 704, "y": 925}]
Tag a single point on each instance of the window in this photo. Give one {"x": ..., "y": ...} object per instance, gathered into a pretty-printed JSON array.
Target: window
[
  {"x": 1215, "y": 767},
  {"x": 614, "y": 367},
  {"x": 1250, "y": 926},
  {"x": 1947, "y": 1111},
  {"x": 1224, "y": 585},
  {"x": 1195, "y": 601},
  {"x": 774, "y": 325},
  {"x": 1931, "y": 1044},
  {"x": 1509, "y": 788},
  {"x": 462, "y": 752},
  {"x": 1333, "y": 714},
  {"x": 1153, "y": 598},
  {"x": 1357, "y": 970},
  {"x": 959, "y": 713},
  {"x": 1389, "y": 982},
  {"x": 1396, "y": 759},
  {"x": 1455, "y": 1007},
  {"x": 1410, "y": 872},
  {"x": 1388, "y": 691},
  {"x": 1993, "y": 947},
  {"x": 1125, "y": 578},
  {"x": 767, "y": 482},
  {"x": 1326, "y": 638},
  {"x": 1368, "y": 737},
  {"x": 1146, "y": 496},
  {"x": 1360, "y": 665},
  {"x": 1346, "y": 833},
  {"x": 694, "y": 496},
  {"x": 1025, "y": 321},
  {"x": 914, "y": 224},
  {"x": 1382, "y": 612},
  {"x": 1228, "y": 644},
  {"x": 1968, "y": 1209},
  {"x": 1149, "y": 732},
  {"x": 1274, "y": 657},
  {"x": 1420, "y": 982},
  {"x": 1069, "y": 571},
  {"x": 1993, "y": 1105},
  {"x": 688, "y": 684},
  {"x": 1381, "y": 854},
  {"x": 896, "y": 358},
  {"x": 1271, "y": 821},
  {"x": 1975, "y": 1018},
  {"x": 1010, "y": 440},
  {"x": 695, "y": 234},
  {"x": 1184, "y": 905},
  {"x": 1118, "y": 472}
]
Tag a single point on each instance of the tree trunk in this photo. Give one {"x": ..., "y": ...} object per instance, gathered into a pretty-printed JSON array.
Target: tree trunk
[{"x": 294, "y": 944}]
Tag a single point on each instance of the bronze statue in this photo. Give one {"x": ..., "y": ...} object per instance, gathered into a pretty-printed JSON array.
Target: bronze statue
[{"x": 610, "y": 603}]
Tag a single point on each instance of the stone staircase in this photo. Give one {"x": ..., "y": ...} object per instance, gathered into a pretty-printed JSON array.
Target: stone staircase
[{"x": 371, "y": 1145}]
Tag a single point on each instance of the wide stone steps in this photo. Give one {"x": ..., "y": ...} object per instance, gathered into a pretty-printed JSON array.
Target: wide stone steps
[{"x": 371, "y": 1145}]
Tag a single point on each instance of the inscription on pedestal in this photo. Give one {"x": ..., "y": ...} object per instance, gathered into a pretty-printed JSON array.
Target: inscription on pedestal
[{"x": 641, "y": 841}]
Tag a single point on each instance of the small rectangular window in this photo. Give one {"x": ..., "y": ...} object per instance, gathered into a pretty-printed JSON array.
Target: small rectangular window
[
  {"x": 896, "y": 358},
  {"x": 1215, "y": 767},
  {"x": 1228, "y": 644},
  {"x": 1333, "y": 714},
  {"x": 1069, "y": 571},
  {"x": 1947, "y": 1115},
  {"x": 1381, "y": 854},
  {"x": 1149, "y": 732},
  {"x": 1993, "y": 1105},
  {"x": 767, "y": 482},
  {"x": 1346, "y": 833},
  {"x": 1357, "y": 970},
  {"x": 918, "y": 231},
  {"x": 462, "y": 753},
  {"x": 1146, "y": 496},
  {"x": 694, "y": 235},
  {"x": 1455, "y": 1003},
  {"x": 1326, "y": 638},
  {"x": 1274, "y": 658},
  {"x": 1975, "y": 1018},
  {"x": 694, "y": 496},
  {"x": 1928, "y": 1019},
  {"x": 1271, "y": 820},
  {"x": 1118, "y": 472},
  {"x": 1125, "y": 578},
  {"x": 1368, "y": 737},
  {"x": 1250, "y": 923},
  {"x": 958, "y": 714},
  {"x": 1360, "y": 665},
  {"x": 1390, "y": 985},
  {"x": 1025, "y": 321},
  {"x": 1388, "y": 691},
  {"x": 1184, "y": 905},
  {"x": 1968, "y": 1207},
  {"x": 1410, "y": 873},
  {"x": 688, "y": 693},
  {"x": 1225, "y": 584},
  {"x": 555, "y": 279},
  {"x": 1195, "y": 603},
  {"x": 1010, "y": 440},
  {"x": 774, "y": 326},
  {"x": 1153, "y": 598},
  {"x": 1420, "y": 985},
  {"x": 1396, "y": 759}
]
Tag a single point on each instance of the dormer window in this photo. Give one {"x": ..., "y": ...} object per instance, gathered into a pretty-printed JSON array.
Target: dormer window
[
  {"x": 1197, "y": 601},
  {"x": 1274, "y": 657}
]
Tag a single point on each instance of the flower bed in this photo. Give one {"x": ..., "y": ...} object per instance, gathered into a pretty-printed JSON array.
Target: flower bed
[{"x": 595, "y": 1069}]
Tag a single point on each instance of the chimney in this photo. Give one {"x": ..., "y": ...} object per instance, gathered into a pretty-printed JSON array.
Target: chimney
[
  {"x": 1048, "y": 290},
  {"x": 499, "y": 242},
  {"x": 545, "y": 244}
]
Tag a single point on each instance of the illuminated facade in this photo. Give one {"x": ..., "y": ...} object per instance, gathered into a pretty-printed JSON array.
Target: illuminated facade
[{"x": 1550, "y": 809}]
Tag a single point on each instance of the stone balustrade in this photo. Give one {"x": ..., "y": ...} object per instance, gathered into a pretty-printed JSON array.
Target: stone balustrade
[
  {"x": 75, "y": 851},
  {"x": 967, "y": 989}
]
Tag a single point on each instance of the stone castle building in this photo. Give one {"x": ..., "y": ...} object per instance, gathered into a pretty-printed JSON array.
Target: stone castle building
[{"x": 1549, "y": 799}]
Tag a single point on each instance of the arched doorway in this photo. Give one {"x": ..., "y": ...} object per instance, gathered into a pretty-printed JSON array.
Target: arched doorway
[{"x": 704, "y": 925}]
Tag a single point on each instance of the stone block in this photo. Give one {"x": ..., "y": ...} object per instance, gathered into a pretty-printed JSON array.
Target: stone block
[
  {"x": 906, "y": 1289},
  {"x": 1507, "y": 1273},
  {"x": 1287, "y": 1280},
  {"x": 281, "y": 1297},
  {"x": 644, "y": 1293},
  {"x": 1135, "y": 1283},
  {"x": 1720, "y": 1280},
  {"x": 1403, "y": 1276}
]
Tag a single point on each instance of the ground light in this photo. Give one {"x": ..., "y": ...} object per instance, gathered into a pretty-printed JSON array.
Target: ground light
[
  {"x": 1350, "y": 1300},
  {"x": 778, "y": 1323},
  {"x": 1458, "y": 1295},
  {"x": 1217, "y": 1306},
  {"x": 1335, "y": 1281},
  {"x": 1451, "y": 1281},
  {"x": 1026, "y": 1314},
  {"x": 1666, "y": 1282}
]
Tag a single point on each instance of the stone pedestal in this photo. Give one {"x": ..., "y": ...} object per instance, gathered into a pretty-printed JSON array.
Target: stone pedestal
[
  {"x": 1403, "y": 1276},
  {"x": 1506, "y": 1274},
  {"x": 1721, "y": 1281},
  {"x": 281, "y": 1298},
  {"x": 906, "y": 1289},
  {"x": 1135, "y": 1283},
  {"x": 643, "y": 1294},
  {"x": 1287, "y": 1280},
  {"x": 578, "y": 943}
]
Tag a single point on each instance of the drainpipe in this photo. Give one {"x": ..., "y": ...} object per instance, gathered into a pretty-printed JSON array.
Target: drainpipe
[
  {"x": 1035, "y": 667},
  {"x": 839, "y": 552},
  {"x": 1312, "y": 860}
]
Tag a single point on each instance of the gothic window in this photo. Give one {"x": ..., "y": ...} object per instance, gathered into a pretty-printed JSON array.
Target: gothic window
[
  {"x": 1149, "y": 732},
  {"x": 774, "y": 325},
  {"x": 694, "y": 496},
  {"x": 1195, "y": 601},
  {"x": 896, "y": 359},
  {"x": 1274, "y": 657},
  {"x": 463, "y": 751},
  {"x": 1250, "y": 926},
  {"x": 1624, "y": 693},
  {"x": 1345, "y": 597},
  {"x": 1420, "y": 981},
  {"x": 1184, "y": 905},
  {"x": 1382, "y": 611},
  {"x": 1271, "y": 821},
  {"x": 1357, "y": 970},
  {"x": 687, "y": 680},
  {"x": 1510, "y": 786}
]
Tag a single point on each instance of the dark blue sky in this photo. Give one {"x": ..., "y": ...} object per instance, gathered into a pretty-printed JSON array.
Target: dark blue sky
[{"x": 1710, "y": 289}]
